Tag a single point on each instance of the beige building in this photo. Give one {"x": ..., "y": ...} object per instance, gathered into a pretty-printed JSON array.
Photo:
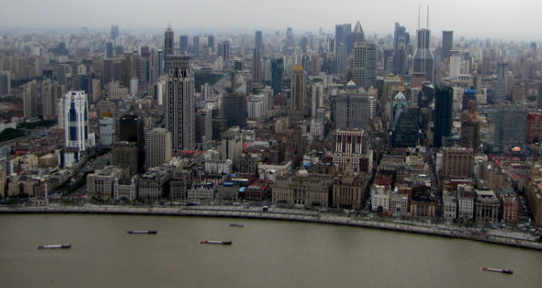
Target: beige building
[
  {"x": 303, "y": 189},
  {"x": 103, "y": 184},
  {"x": 158, "y": 147},
  {"x": 154, "y": 184},
  {"x": 352, "y": 146},
  {"x": 487, "y": 206},
  {"x": 458, "y": 162},
  {"x": 349, "y": 191}
]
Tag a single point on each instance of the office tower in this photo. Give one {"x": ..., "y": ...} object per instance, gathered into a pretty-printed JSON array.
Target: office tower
[
  {"x": 195, "y": 46},
  {"x": 290, "y": 41},
  {"x": 76, "y": 127},
  {"x": 358, "y": 34},
  {"x": 234, "y": 104},
  {"x": 470, "y": 127},
  {"x": 257, "y": 69},
  {"x": 458, "y": 162},
  {"x": 317, "y": 98},
  {"x": 447, "y": 43},
  {"x": 456, "y": 59},
  {"x": 443, "y": 114},
  {"x": 204, "y": 128},
  {"x": 131, "y": 129},
  {"x": 50, "y": 92},
  {"x": 5, "y": 83},
  {"x": 510, "y": 126},
  {"x": 224, "y": 51},
  {"x": 114, "y": 31},
  {"x": 183, "y": 44},
  {"x": 31, "y": 100},
  {"x": 343, "y": 35},
  {"x": 277, "y": 70},
  {"x": 352, "y": 147},
  {"x": 423, "y": 58},
  {"x": 168, "y": 42},
  {"x": 109, "y": 50},
  {"x": 401, "y": 40},
  {"x": 364, "y": 64},
  {"x": 180, "y": 103},
  {"x": 351, "y": 108},
  {"x": 340, "y": 58},
  {"x": 211, "y": 43},
  {"x": 106, "y": 131},
  {"x": 406, "y": 129},
  {"x": 390, "y": 87},
  {"x": 158, "y": 147},
  {"x": 501, "y": 88},
  {"x": 297, "y": 99}
]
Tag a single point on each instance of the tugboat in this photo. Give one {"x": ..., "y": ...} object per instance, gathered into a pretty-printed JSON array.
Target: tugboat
[
  {"x": 55, "y": 246},
  {"x": 237, "y": 225},
  {"x": 499, "y": 270},
  {"x": 143, "y": 232},
  {"x": 211, "y": 242}
]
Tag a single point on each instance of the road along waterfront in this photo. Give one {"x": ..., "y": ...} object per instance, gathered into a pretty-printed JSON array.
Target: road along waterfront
[{"x": 290, "y": 215}]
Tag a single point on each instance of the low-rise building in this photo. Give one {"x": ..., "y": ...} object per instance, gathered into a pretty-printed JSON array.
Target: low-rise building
[
  {"x": 422, "y": 203},
  {"x": 349, "y": 190},
  {"x": 449, "y": 203},
  {"x": 380, "y": 198},
  {"x": 399, "y": 203},
  {"x": 510, "y": 205},
  {"x": 201, "y": 192},
  {"x": 154, "y": 184},
  {"x": 487, "y": 206},
  {"x": 303, "y": 189},
  {"x": 126, "y": 189},
  {"x": 102, "y": 184},
  {"x": 465, "y": 202}
]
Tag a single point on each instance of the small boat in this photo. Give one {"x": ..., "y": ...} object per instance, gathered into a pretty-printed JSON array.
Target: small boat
[
  {"x": 143, "y": 232},
  {"x": 499, "y": 270},
  {"x": 215, "y": 242},
  {"x": 55, "y": 246},
  {"x": 237, "y": 225}
]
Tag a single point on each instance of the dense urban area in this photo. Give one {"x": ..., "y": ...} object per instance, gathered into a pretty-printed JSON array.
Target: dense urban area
[{"x": 410, "y": 127}]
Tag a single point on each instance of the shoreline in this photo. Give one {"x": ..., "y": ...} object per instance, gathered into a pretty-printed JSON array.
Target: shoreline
[{"x": 431, "y": 230}]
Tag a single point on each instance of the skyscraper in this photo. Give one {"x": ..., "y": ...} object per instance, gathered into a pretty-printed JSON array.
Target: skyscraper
[
  {"x": 423, "y": 58},
  {"x": 76, "y": 128},
  {"x": 502, "y": 82},
  {"x": 224, "y": 51},
  {"x": 109, "y": 50},
  {"x": 114, "y": 31},
  {"x": 195, "y": 46},
  {"x": 131, "y": 129},
  {"x": 183, "y": 44},
  {"x": 180, "y": 102},
  {"x": 447, "y": 43},
  {"x": 168, "y": 42},
  {"x": 211, "y": 43},
  {"x": 297, "y": 99},
  {"x": 351, "y": 108},
  {"x": 343, "y": 35},
  {"x": 257, "y": 69},
  {"x": 401, "y": 40},
  {"x": 364, "y": 64},
  {"x": 358, "y": 34},
  {"x": 277, "y": 69},
  {"x": 470, "y": 127},
  {"x": 5, "y": 83},
  {"x": 443, "y": 114}
]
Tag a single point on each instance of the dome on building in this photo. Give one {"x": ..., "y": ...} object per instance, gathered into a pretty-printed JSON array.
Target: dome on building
[
  {"x": 302, "y": 172},
  {"x": 351, "y": 85}
]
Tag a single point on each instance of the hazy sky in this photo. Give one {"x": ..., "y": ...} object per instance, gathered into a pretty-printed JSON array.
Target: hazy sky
[{"x": 517, "y": 19}]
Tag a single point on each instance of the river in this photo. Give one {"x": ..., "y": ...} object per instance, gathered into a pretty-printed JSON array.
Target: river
[{"x": 264, "y": 254}]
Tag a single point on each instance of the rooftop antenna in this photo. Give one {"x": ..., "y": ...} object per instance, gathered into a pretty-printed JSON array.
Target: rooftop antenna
[
  {"x": 427, "y": 24},
  {"x": 419, "y": 12}
]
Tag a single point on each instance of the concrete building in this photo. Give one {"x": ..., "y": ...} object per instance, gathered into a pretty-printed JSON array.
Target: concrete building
[
  {"x": 422, "y": 203},
  {"x": 154, "y": 184},
  {"x": 297, "y": 102},
  {"x": 510, "y": 206},
  {"x": 398, "y": 203},
  {"x": 458, "y": 162},
  {"x": 302, "y": 190},
  {"x": 487, "y": 207},
  {"x": 380, "y": 198},
  {"x": 351, "y": 108},
  {"x": 103, "y": 184},
  {"x": 180, "y": 103},
  {"x": 470, "y": 128},
  {"x": 158, "y": 147},
  {"x": 423, "y": 57},
  {"x": 231, "y": 146},
  {"x": 449, "y": 203},
  {"x": 349, "y": 190},
  {"x": 126, "y": 156},
  {"x": 77, "y": 134},
  {"x": 201, "y": 192},
  {"x": 256, "y": 107},
  {"x": 465, "y": 202},
  {"x": 352, "y": 147},
  {"x": 107, "y": 131},
  {"x": 364, "y": 64},
  {"x": 447, "y": 43},
  {"x": 214, "y": 165},
  {"x": 169, "y": 42},
  {"x": 126, "y": 189}
]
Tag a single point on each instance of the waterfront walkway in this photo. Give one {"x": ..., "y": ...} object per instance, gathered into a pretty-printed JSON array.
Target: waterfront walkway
[{"x": 282, "y": 215}]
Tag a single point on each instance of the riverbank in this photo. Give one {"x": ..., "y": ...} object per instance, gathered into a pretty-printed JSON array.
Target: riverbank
[{"x": 300, "y": 216}]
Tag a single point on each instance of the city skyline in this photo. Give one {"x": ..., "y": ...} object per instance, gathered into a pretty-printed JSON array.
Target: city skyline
[{"x": 498, "y": 20}]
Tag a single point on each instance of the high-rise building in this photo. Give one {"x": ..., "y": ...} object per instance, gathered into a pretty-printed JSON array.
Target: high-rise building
[
  {"x": 443, "y": 114},
  {"x": 456, "y": 58},
  {"x": 343, "y": 36},
  {"x": 158, "y": 147},
  {"x": 501, "y": 90},
  {"x": 50, "y": 92},
  {"x": 257, "y": 69},
  {"x": 277, "y": 70},
  {"x": 5, "y": 83},
  {"x": 114, "y": 31},
  {"x": 458, "y": 162},
  {"x": 447, "y": 43},
  {"x": 235, "y": 103},
  {"x": 224, "y": 51},
  {"x": 340, "y": 58},
  {"x": 131, "y": 129},
  {"x": 204, "y": 128},
  {"x": 470, "y": 127},
  {"x": 109, "y": 50},
  {"x": 358, "y": 34},
  {"x": 401, "y": 40},
  {"x": 126, "y": 156},
  {"x": 423, "y": 58},
  {"x": 406, "y": 131},
  {"x": 297, "y": 99},
  {"x": 510, "y": 126},
  {"x": 183, "y": 44},
  {"x": 169, "y": 42},
  {"x": 352, "y": 148},
  {"x": 290, "y": 41},
  {"x": 195, "y": 46},
  {"x": 76, "y": 126},
  {"x": 180, "y": 102},
  {"x": 211, "y": 43},
  {"x": 364, "y": 64},
  {"x": 351, "y": 108}
]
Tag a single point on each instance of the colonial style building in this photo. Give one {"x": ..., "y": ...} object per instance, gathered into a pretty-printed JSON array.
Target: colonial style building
[{"x": 303, "y": 189}]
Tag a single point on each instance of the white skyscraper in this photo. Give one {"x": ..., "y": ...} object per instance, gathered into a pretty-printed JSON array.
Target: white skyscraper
[{"x": 78, "y": 137}]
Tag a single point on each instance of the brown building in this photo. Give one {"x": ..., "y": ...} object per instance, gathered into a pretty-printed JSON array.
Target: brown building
[
  {"x": 257, "y": 191},
  {"x": 534, "y": 127},
  {"x": 349, "y": 190},
  {"x": 422, "y": 203},
  {"x": 352, "y": 147},
  {"x": 486, "y": 206},
  {"x": 470, "y": 127},
  {"x": 126, "y": 156},
  {"x": 534, "y": 194},
  {"x": 303, "y": 189},
  {"x": 458, "y": 162},
  {"x": 510, "y": 206}
]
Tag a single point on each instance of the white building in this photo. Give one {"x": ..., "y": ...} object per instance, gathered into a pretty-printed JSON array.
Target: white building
[
  {"x": 449, "y": 202},
  {"x": 107, "y": 129},
  {"x": 465, "y": 202},
  {"x": 77, "y": 135},
  {"x": 216, "y": 166},
  {"x": 317, "y": 129},
  {"x": 256, "y": 107},
  {"x": 380, "y": 197},
  {"x": 456, "y": 59},
  {"x": 201, "y": 192},
  {"x": 398, "y": 204}
]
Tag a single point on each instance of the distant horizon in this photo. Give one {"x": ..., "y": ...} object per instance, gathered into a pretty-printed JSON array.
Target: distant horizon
[{"x": 471, "y": 19}]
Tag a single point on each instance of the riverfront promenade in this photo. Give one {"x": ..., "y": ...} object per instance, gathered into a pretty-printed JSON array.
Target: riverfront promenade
[{"x": 281, "y": 215}]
